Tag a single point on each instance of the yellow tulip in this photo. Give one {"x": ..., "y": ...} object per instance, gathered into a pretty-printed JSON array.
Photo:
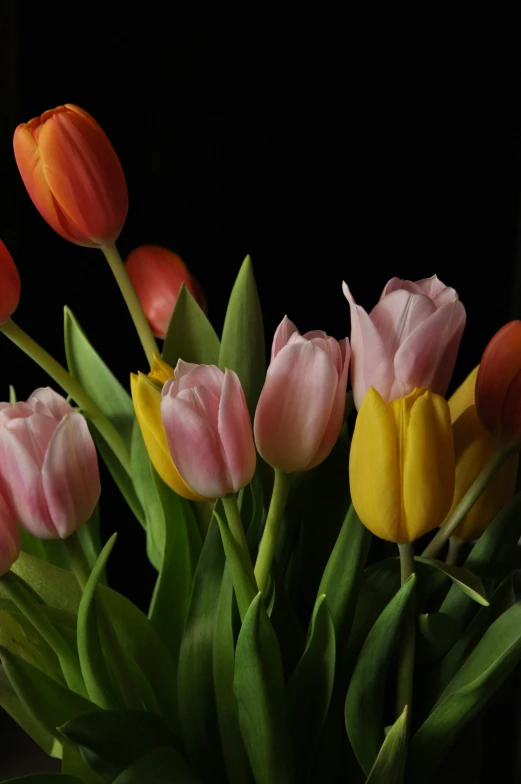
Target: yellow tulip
[
  {"x": 401, "y": 466},
  {"x": 474, "y": 446},
  {"x": 146, "y": 396}
]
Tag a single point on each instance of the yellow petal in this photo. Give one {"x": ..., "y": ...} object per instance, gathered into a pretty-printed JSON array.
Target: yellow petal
[
  {"x": 160, "y": 370},
  {"x": 464, "y": 396}
]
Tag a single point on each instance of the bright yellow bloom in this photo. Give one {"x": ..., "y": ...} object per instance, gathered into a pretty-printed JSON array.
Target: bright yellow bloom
[
  {"x": 474, "y": 446},
  {"x": 146, "y": 397},
  {"x": 401, "y": 466}
]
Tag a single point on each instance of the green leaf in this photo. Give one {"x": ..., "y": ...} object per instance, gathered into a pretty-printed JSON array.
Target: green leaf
[
  {"x": 12, "y": 704},
  {"x": 466, "y": 581},
  {"x": 45, "y": 700},
  {"x": 160, "y": 766},
  {"x": 365, "y": 696},
  {"x": 93, "y": 665},
  {"x": 286, "y": 624},
  {"x": 310, "y": 688},
  {"x": 242, "y": 342},
  {"x": 45, "y": 778},
  {"x": 56, "y": 587},
  {"x": 74, "y": 764},
  {"x": 197, "y": 707},
  {"x": 20, "y": 637},
  {"x": 243, "y": 582},
  {"x": 259, "y": 688},
  {"x": 437, "y": 633},
  {"x": 50, "y": 550},
  {"x": 190, "y": 335},
  {"x": 390, "y": 763},
  {"x": 344, "y": 572},
  {"x": 146, "y": 490},
  {"x": 474, "y": 685}
]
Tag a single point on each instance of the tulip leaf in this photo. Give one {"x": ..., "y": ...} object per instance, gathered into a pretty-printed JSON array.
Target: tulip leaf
[
  {"x": 49, "y": 703},
  {"x": 45, "y": 778},
  {"x": 473, "y": 686},
  {"x": 20, "y": 637},
  {"x": 13, "y": 705},
  {"x": 259, "y": 688},
  {"x": 464, "y": 579},
  {"x": 160, "y": 766},
  {"x": 197, "y": 707},
  {"x": 146, "y": 490},
  {"x": 56, "y": 587},
  {"x": 389, "y": 765},
  {"x": 310, "y": 688},
  {"x": 244, "y": 585},
  {"x": 190, "y": 335},
  {"x": 437, "y": 633},
  {"x": 344, "y": 572},
  {"x": 286, "y": 624},
  {"x": 242, "y": 342},
  {"x": 365, "y": 696},
  {"x": 74, "y": 764}
]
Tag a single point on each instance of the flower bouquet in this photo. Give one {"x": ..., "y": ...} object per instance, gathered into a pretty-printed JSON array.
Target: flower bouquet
[{"x": 334, "y": 596}]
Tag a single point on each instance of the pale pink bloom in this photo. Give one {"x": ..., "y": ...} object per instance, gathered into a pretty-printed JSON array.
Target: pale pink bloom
[
  {"x": 48, "y": 465},
  {"x": 301, "y": 406},
  {"x": 409, "y": 339},
  {"x": 208, "y": 429},
  {"x": 9, "y": 536}
]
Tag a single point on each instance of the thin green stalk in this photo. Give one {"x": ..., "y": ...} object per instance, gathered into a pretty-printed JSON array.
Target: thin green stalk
[
  {"x": 404, "y": 690},
  {"x": 467, "y": 502},
  {"x": 236, "y": 529},
  {"x": 270, "y": 537},
  {"x": 71, "y": 386},
  {"x": 128, "y": 291},
  {"x": 77, "y": 559},
  {"x": 454, "y": 551}
]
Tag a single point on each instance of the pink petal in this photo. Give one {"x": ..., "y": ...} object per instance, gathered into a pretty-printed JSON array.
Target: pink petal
[
  {"x": 332, "y": 349},
  {"x": 70, "y": 475},
  {"x": 34, "y": 434},
  {"x": 188, "y": 375},
  {"x": 398, "y": 315},
  {"x": 10, "y": 411},
  {"x": 46, "y": 401},
  {"x": 283, "y": 333},
  {"x": 397, "y": 284},
  {"x": 436, "y": 290},
  {"x": 235, "y": 432}
]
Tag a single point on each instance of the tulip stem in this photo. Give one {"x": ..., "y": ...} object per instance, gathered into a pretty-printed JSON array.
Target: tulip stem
[
  {"x": 128, "y": 291},
  {"x": 71, "y": 386},
  {"x": 454, "y": 551},
  {"x": 404, "y": 689},
  {"x": 467, "y": 502},
  {"x": 77, "y": 559},
  {"x": 270, "y": 537}
]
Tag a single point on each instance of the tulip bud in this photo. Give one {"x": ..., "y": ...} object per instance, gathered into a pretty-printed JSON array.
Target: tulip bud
[
  {"x": 157, "y": 274},
  {"x": 9, "y": 537},
  {"x": 410, "y": 339},
  {"x": 48, "y": 465},
  {"x": 9, "y": 284},
  {"x": 401, "y": 465},
  {"x": 146, "y": 396},
  {"x": 498, "y": 386},
  {"x": 301, "y": 406},
  {"x": 208, "y": 429},
  {"x": 73, "y": 175}
]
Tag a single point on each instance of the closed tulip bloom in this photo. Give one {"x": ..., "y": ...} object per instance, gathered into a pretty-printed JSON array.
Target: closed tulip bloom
[
  {"x": 208, "y": 429},
  {"x": 9, "y": 284},
  {"x": 301, "y": 406},
  {"x": 401, "y": 465},
  {"x": 48, "y": 465},
  {"x": 146, "y": 396},
  {"x": 157, "y": 275},
  {"x": 498, "y": 386},
  {"x": 410, "y": 339},
  {"x": 9, "y": 536},
  {"x": 73, "y": 175}
]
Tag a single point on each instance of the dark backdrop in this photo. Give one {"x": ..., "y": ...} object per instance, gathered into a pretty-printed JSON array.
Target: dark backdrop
[{"x": 326, "y": 146}]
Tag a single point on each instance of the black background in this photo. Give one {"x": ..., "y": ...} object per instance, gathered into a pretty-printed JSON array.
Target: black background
[{"x": 328, "y": 147}]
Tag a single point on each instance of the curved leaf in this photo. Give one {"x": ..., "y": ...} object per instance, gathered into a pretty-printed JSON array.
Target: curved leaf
[
  {"x": 464, "y": 579},
  {"x": 160, "y": 766},
  {"x": 390, "y": 763},
  {"x": 190, "y": 335},
  {"x": 13, "y": 705},
  {"x": 45, "y": 778}
]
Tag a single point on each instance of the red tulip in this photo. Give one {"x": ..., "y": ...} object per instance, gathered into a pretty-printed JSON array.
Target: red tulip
[
  {"x": 498, "y": 386},
  {"x": 73, "y": 175},
  {"x": 157, "y": 274},
  {"x": 9, "y": 284}
]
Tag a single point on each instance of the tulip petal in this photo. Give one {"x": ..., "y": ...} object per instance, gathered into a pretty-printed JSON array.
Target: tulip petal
[
  {"x": 499, "y": 367},
  {"x": 398, "y": 315},
  {"x": 46, "y": 401},
  {"x": 283, "y": 333},
  {"x": 70, "y": 475},
  {"x": 9, "y": 284},
  {"x": 397, "y": 284},
  {"x": 188, "y": 375},
  {"x": 10, "y": 411},
  {"x": 235, "y": 432},
  {"x": 464, "y": 396}
]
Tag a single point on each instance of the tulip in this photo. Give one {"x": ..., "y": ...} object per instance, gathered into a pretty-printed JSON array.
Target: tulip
[
  {"x": 146, "y": 396},
  {"x": 9, "y": 284},
  {"x": 410, "y": 339},
  {"x": 48, "y": 465},
  {"x": 498, "y": 387},
  {"x": 9, "y": 537},
  {"x": 401, "y": 464},
  {"x": 301, "y": 406},
  {"x": 157, "y": 274},
  {"x": 208, "y": 429},
  {"x": 73, "y": 175}
]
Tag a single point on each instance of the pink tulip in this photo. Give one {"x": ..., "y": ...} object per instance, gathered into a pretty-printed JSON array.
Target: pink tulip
[
  {"x": 208, "y": 429},
  {"x": 301, "y": 407},
  {"x": 9, "y": 536},
  {"x": 48, "y": 465},
  {"x": 410, "y": 339}
]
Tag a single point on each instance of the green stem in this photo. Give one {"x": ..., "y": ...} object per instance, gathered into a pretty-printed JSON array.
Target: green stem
[
  {"x": 18, "y": 593},
  {"x": 77, "y": 559},
  {"x": 128, "y": 291},
  {"x": 454, "y": 551},
  {"x": 236, "y": 529},
  {"x": 404, "y": 690},
  {"x": 467, "y": 502},
  {"x": 270, "y": 537},
  {"x": 71, "y": 386}
]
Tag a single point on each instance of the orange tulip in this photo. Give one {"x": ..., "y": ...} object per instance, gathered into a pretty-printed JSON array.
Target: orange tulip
[
  {"x": 157, "y": 274},
  {"x": 9, "y": 284},
  {"x": 498, "y": 386},
  {"x": 73, "y": 175}
]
